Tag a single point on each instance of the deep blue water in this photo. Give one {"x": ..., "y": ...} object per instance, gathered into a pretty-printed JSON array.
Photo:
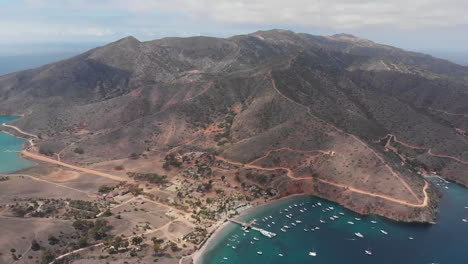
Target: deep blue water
[
  {"x": 335, "y": 242},
  {"x": 11, "y": 161}
]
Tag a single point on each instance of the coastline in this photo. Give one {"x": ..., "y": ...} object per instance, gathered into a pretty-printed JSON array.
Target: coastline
[{"x": 221, "y": 225}]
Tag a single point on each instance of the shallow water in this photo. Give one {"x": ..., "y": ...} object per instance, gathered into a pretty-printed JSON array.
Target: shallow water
[
  {"x": 335, "y": 241},
  {"x": 11, "y": 161}
]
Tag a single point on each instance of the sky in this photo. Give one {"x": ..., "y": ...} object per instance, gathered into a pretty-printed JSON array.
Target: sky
[{"x": 28, "y": 26}]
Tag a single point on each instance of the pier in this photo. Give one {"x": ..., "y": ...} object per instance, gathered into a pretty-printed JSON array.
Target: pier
[{"x": 246, "y": 226}]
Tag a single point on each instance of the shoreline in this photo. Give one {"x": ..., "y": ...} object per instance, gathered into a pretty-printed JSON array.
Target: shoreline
[{"x": 223, "y": 224}]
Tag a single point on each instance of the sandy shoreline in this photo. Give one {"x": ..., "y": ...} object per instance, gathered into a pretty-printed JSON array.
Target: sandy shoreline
[{"x": 222, "y": 224}]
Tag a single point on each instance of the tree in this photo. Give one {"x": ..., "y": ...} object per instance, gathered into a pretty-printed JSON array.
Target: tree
[
  {"x": 35, "y": 246},
  {"x": 137, "y": 240},
  {"x": 53, "y": 240},
  {"x": 47, "y": 257},
  {"x": 78, "y": 151}
]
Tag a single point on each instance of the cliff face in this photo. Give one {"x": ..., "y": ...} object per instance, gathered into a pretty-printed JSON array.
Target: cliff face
[{"x": 319, "y": 108}]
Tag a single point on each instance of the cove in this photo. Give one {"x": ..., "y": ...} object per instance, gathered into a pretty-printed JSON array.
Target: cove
[
  {"x": 10, "y": 158},
  {"x": 335, "y": 241}
]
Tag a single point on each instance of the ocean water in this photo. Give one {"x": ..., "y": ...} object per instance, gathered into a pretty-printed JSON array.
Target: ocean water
[
  {"x": 335, "y": 242},
  {"x": 11, "y": 161}
]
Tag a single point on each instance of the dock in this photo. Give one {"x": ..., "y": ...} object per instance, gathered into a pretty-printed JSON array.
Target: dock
[{"x": 250, "y": 225}]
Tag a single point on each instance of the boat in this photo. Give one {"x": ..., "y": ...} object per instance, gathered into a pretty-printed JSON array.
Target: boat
[
  {"x": 319, "y": 204},
  {"x": 331, "y": 218},
  {"x": 288, "y": 216},
  {"x": 280, "y": 255},
  {"x": 283, "y": 230},
  {"x": 294, "y": 224},
  {"x": 225, "y": 258},
  {"x": 273, "y": 223},
  {"x": 317, "y": 228},
  {"x": 357, "y": 219},
  {"x": 465, "y": 220},
  {"x": 313, "y": 253},
  {"x": 298, "y": 221},
  {"x": 322, "y": 222},
  {"x": 269, "y": 225},
  {"x": 287, "y": 227},
  {"x": 374, "y": 222},
  {"x": 341, "y": 213},
  {"x": 305, "y": 229},
  {"x": 251, "y": 242},
  {"x": 410, "y": 238},
  {"x": 368, "y": 252},
  {"x": 351, "y": 223},
  {"x": 255, "y": 238},
  {"x": 233, "y": 247},
  {"x": 384, "y": 232},
  {"x": 259, "y": 252},
  {"x": 301, "y": 211},
  {"x": 359, "y": 235}
]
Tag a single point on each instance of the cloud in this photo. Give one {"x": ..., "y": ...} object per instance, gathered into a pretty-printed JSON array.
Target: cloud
[{"x": 108, "y": 19}]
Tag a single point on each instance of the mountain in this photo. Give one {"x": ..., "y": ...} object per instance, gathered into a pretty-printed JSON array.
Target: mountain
[{"x": 357, "y": 118}]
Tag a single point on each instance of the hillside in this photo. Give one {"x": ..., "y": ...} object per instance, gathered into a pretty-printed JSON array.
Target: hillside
[{"x": 340, "y": 117}]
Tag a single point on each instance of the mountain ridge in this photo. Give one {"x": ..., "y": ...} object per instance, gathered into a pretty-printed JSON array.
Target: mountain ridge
[{"x": 244, "y": 96}]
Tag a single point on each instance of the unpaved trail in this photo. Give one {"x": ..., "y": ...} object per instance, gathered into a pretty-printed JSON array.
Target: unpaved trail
[
  {"x": 20, "y": 131},
  {"x": 102, "y": 244},
  {"x": 309, "y": 112},
  {"x": 429, "y": 150},
  {"x": 290, "y": 175},
  {"x": 49, "y": 182},
  {"x": 39, "y": 157}
]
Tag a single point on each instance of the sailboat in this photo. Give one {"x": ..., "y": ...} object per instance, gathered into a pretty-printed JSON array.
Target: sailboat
[
  {"x": 359, "y": 235},
  {"x": 321, "y": 220}
]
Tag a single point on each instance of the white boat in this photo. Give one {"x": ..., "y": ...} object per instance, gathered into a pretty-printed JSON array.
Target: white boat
[
  {"x": 368, "y": 252},
  {"x": 331, "y": 218},
  {"x": 288, "y": 216},
  {"x": 319, "y": 204},
  {"x": 307, "y": 230},
  {"x": 287, "y": 227},
  {"x": 313, "y": 253},
  {"x": 336, "y": 217},
  {"x": 301, "y": 211},
  {"x": 384, "y": 232},
  {"x": 269, "y": 225},
  {"x": 280, "y": 255},
  {"x": 374, "y": 222},
  {"x": 322, "y": 222},
  {"x": 351, "y": 223},
  {"x": 465, "y": 220},
  {"x": 259, "y": 252},
  {"x": 341, "y": 213},
  {"x": 359, "y": 235},
  {"x": 317, "y": 228},
  {"x": 233, "y": 247},
  {"x": 298, "y": 221},
  {"x": 283, "y": 230},
  {"x": 255, "y": 238},
  {"x": 294, "y": 224},
  {"x": 273, "y": 223},
  {"x": 410, "y": 238},
  {"x": 357, "y": 219},
  {"x": 225, "y": 258}
]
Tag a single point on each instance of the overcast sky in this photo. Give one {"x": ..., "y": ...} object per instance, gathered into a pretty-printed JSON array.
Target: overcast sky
[{"x": 411, "y": 24}]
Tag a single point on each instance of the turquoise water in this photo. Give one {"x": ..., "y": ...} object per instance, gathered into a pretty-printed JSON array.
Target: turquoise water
[
  {"x": 11, "y": 161},
  {"x": 335, "y": 241}
]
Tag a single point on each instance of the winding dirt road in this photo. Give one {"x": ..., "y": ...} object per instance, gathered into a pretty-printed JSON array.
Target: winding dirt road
[
  {"x": 309, "y": 112},
  {"x": 429, "y": 150},
  {"x": 19, "y": 130}
]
